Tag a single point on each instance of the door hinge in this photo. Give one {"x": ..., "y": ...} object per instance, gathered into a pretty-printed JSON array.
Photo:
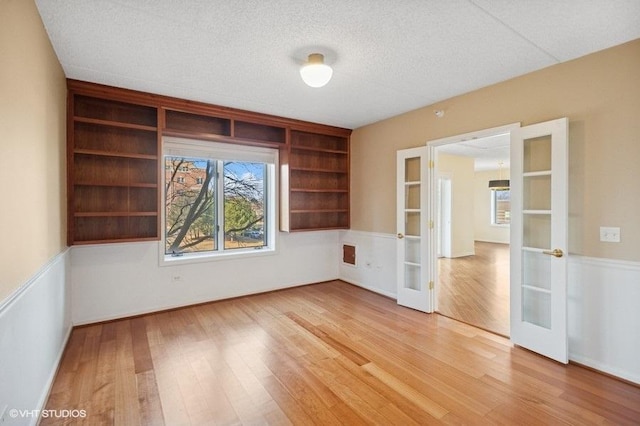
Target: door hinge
[
  {"x": 430, "y": 285},
  {"x": 430, "y": 224},
  {"x": 432, "y": 164}
]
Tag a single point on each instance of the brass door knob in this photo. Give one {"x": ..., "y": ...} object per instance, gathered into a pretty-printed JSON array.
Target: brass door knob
[
  {"x": 400, "y": 236},
  {"x": 554, "y": 252}
]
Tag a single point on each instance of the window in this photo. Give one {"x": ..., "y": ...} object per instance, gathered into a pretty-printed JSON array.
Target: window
[
  {"x": 500, "y": 207},
  {"x": 223, "y": 204}
]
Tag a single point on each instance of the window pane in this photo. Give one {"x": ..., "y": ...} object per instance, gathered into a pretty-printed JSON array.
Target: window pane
[
  {"x": 190, "y": 205},
  {"x": 244, "y": 205},
  {"x": 501, "y": 207}
]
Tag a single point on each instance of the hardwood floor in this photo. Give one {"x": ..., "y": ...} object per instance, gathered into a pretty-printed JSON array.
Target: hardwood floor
[
  {"x": 475, "y": 289},
  {"x": 329, "y": 353}
]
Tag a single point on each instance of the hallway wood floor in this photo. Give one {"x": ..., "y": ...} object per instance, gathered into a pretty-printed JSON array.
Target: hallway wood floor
[
  {"x": 475, "y": 289},
  {"x": 328, "y": 353}
]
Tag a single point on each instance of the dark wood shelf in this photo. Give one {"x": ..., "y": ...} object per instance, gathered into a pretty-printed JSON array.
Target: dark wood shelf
[
  {"x": 114, "y": 214},
  {"x": 115, "y": 124},
  {"x": 115, "y": 154},
  {"x": 114, "y": 240},
  {"x": 330, "y": 191},
  {"x": 317, "y": 170},
  {"x": 329, "y": 151},
  {"x": 117, "y": 184},
  {"x": 319, "y": 211}
]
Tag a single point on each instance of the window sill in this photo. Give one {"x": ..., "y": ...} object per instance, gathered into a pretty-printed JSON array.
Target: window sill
[
  {"x": 212, "y": 257},
  {"x": 495, "y": 225}
]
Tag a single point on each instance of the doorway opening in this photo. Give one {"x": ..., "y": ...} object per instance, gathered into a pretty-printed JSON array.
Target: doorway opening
[{"x": 472, "y": 235}]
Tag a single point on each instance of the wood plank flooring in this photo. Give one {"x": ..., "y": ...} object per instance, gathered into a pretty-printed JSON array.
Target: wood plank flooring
[
  {"x": 328, "y": 353},
  {"x": 475, "y": 289}
]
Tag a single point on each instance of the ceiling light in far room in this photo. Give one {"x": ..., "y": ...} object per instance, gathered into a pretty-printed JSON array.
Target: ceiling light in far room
[
  {"x": 499, "y": 184},
  {"x": 315, "y": 72}
]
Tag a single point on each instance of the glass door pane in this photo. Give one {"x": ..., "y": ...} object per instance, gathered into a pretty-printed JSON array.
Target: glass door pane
[
  {"x": 536, "y": 231},
  {"x": 412, "y": 215}
]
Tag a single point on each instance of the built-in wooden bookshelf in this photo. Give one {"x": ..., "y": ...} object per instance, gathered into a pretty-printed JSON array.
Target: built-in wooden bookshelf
[
  {"x": 113, "y": 171},
  {"x": 318, "y": 181},
  {"x": 114, "y": 155}
]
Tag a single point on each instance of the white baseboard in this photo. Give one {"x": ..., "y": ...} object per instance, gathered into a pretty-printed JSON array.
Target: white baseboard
[
  {"x": 54, "y": 371},
  {"x": 373, "y": 289}
]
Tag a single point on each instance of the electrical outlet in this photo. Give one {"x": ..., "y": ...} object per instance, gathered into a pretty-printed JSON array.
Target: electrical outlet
[{"x": 610, "y": 234}]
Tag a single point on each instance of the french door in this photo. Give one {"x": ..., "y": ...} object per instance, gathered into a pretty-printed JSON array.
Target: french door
[
  {"x": 539, "y": 238},
  {"x": 414, "y": 227}
]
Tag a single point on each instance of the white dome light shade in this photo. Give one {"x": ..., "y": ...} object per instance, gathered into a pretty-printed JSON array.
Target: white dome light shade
[{"x": 315, "y": 73}]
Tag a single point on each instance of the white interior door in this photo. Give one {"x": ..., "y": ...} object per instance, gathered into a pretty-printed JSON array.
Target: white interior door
[
  {"x": 539, "y": 238},
  {"x": 415, "y": 287}
]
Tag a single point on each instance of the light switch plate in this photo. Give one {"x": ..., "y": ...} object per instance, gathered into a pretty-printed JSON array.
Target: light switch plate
[{"x": 609, "y": 234}]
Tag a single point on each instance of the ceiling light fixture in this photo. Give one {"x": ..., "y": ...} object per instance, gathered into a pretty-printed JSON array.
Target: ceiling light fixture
[
  {"x": 499, "y": 184},
  {"x": 315, "y": 72}
]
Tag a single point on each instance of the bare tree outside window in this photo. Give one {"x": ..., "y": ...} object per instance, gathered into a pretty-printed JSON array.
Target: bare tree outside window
[{"x": 194, "y": 194}]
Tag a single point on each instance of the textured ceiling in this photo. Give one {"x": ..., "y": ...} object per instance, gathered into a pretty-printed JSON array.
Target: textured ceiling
[
  {"x": 489, "y": 153},
  {"x": 389, "y": 57}
]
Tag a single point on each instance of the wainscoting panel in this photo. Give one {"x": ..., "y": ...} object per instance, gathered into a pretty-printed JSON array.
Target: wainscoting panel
[
  {"x": 604, "y": 315},
  {"x": 375, "y": 267},
  {"x": 35, "y": 323},
  {"x": 118, "y": 280}
]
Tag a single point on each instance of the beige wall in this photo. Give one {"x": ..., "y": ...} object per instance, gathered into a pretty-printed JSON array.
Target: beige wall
[
  {"x": 483, "y": 229},
  {"x": 32, "y": 148},
  {"x": 460, "y": 170},
  {"x": 599, "y": 93}
]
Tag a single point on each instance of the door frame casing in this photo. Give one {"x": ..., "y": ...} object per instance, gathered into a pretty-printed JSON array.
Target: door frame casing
[{"x": 431, "y": 146}]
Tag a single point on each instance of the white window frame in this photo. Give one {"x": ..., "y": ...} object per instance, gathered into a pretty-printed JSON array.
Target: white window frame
[{"x": 172, "y": 146}]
